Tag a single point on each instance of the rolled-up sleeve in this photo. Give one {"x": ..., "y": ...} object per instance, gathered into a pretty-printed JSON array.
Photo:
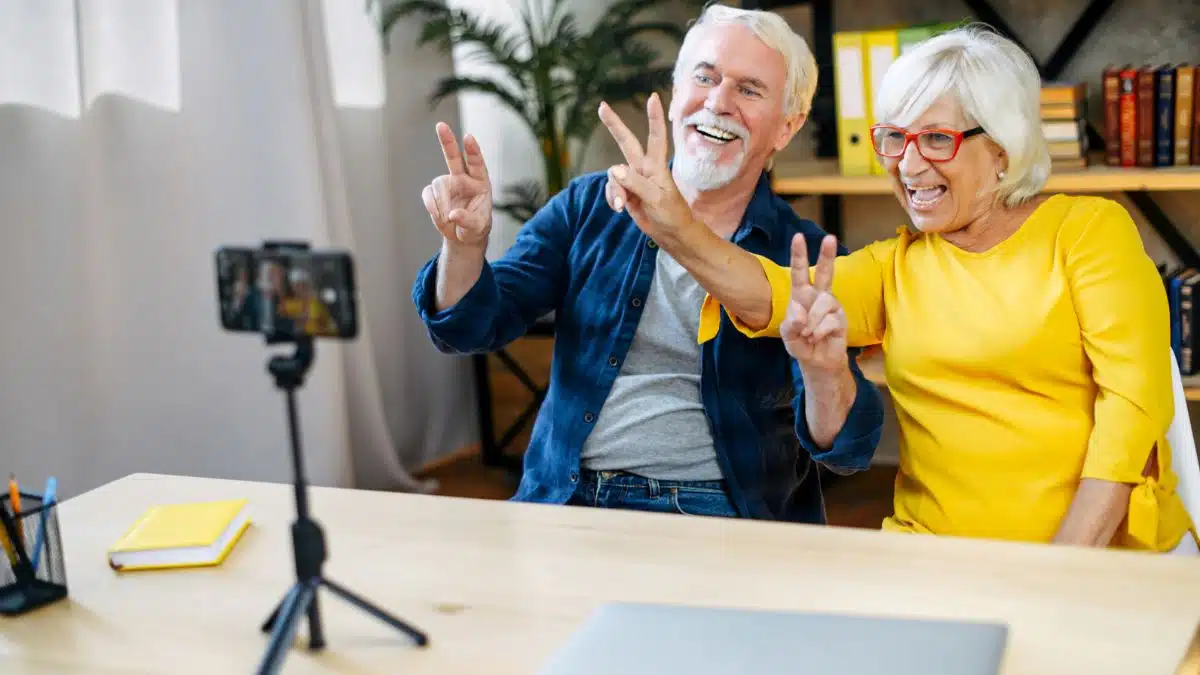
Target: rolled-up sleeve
[
  {"x": 855, "y": 444},
  {"x": 522, "y": 286}
]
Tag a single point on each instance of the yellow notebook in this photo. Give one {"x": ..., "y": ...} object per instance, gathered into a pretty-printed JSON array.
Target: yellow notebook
[{"x": 181, "y": 535}]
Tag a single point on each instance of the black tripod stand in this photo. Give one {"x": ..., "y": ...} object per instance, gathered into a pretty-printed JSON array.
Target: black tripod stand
[{"x": 308, "y": 541}]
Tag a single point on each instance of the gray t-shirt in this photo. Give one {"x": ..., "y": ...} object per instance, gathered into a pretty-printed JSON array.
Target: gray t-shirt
[{"x": 653, "y": 422}]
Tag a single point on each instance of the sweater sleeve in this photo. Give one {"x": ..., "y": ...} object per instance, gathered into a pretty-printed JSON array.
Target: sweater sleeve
[
  {"x": 857, "y": 284},
  {"x": 1125, "y": 328}
]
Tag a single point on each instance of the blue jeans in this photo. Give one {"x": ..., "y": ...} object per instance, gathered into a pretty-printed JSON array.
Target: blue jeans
[{"x": 620, "y": 490}]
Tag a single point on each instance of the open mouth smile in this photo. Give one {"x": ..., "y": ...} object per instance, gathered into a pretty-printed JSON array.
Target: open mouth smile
[
  {"x": 715, "y": 135},
  {"x": 924, "y": 197}
]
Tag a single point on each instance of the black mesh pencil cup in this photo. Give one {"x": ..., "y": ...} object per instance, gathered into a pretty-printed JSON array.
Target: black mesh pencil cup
[{"x": 32, "y": 570}]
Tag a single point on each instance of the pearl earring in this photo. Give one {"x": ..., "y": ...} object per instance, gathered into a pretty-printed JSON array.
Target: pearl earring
[{"x": 1000, "y": 175}]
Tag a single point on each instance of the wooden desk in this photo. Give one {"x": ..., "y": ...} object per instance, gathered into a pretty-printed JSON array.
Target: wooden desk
[{"x": 1071, "y": 611}]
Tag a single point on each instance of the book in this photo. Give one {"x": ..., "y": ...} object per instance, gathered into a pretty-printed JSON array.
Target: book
[
  {"x": 1127, "y": 106},
  {"x": 1184, "y": 106},
  {"x": 192, "y": 534},
  {"x": 1195, "y": 119},
  {"x": 1164, "y": 118},
  {"x": 1112, "y": 115},
  {"x": 1146, "y": 104}
]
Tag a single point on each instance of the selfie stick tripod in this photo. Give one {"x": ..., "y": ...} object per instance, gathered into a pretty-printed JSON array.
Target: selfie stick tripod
[{"x": 308, "y": 541}]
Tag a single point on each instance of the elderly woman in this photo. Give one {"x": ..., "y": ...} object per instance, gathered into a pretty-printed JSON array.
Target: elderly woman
[{"x": 1025, "y": 335}]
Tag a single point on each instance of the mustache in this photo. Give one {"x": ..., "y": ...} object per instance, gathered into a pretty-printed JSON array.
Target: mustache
[{"x": 710, "y": 119}]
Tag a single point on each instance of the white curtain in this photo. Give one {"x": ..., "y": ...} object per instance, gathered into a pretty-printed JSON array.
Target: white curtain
[{"x": 137, "y": 136}]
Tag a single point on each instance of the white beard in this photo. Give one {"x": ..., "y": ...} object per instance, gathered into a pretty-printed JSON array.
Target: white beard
[{"x": 701, "y": 172}]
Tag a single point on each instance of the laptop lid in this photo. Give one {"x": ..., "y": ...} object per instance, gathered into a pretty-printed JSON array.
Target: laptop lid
[{"x": 648, "y": 638}]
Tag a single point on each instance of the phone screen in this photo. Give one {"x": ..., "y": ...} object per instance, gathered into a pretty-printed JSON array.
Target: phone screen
[{"x": 286, "y": 294}]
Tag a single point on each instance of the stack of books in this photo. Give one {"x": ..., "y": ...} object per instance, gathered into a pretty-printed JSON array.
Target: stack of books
[
  {"x": 1064, "y": 123},
  {"x": 1150, "y": 115}
]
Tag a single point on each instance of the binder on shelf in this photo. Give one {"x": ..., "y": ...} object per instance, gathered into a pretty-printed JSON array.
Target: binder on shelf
[
  {"x": 882, "y": 48},
  {"x": 853, "y": 129}
]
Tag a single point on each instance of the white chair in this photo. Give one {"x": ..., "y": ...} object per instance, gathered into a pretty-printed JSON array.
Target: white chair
[{"x": 1183, "y": 457}]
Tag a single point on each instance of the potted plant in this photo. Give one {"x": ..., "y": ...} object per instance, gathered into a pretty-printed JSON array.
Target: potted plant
[{"x": 554, "y": 74}]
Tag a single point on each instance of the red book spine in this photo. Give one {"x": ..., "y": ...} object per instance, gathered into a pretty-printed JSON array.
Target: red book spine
[
  {"x": 1196, "y": 116},
  {"x": 1128, "y": 108}
]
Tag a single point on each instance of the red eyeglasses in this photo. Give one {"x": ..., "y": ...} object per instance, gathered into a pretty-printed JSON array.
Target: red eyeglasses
[{"x": 935, "y": 145}]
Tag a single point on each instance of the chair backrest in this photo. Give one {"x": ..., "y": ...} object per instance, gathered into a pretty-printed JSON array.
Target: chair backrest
[{"x": 1183, "y": 448}]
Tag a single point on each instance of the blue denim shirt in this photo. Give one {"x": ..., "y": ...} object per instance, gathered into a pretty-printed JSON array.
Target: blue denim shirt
[{"x": 592, "y": 267}]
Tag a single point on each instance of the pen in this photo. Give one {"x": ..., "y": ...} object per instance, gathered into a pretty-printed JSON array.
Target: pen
[
  {"x": 16, "y": 549},
  {"x": 48, "y": 498},
  {"x": 14, "y": 495},
  {"x": 8, "y": 547}
]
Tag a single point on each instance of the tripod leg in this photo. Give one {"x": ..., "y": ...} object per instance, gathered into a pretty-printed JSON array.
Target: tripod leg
[
  {"x": 316, "y": 636},
  {"x": 378, "y": 613},
  {"x": 294, "y": 606},
  {"x": 269, "y": 624}
]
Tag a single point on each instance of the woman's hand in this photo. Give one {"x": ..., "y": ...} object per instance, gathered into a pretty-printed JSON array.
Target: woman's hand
[{"x": 814, "y": 328}]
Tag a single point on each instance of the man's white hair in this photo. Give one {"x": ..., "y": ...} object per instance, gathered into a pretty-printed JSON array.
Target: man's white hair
[
  {"x": 774, "y": 31},
  {"x": 998, "y": 88}
]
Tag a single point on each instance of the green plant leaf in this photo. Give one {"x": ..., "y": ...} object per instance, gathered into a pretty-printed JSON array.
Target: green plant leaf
[{"x": 456, "y": 85}]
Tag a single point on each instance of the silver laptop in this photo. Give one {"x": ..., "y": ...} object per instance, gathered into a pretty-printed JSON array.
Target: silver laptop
[{"x": 644, "y": 638}]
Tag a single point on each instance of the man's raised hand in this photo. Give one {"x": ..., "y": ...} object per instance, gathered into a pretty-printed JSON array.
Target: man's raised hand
[
  {"x": 814, "y": 329},
  {"x": 460, "y": 202},
  {"x": 644, "y": 184}
]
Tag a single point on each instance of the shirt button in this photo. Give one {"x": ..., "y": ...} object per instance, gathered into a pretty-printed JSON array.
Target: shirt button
[
  {"x": 612, "y": 360},
  {"x": 589, "y": 417},
  {"x": 574, "y": 477},
  {"x": 636, "y": 302}
]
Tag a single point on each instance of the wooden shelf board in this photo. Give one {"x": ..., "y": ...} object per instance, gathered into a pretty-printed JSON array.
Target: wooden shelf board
[
  {"x": 821, "y": 177},
  {"x": 871, "y": 363}
]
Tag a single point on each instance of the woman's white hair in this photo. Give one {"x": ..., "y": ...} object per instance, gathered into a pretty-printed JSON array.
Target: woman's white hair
[
  {"x": 996, "y": 84},
  {"x": 774, "y": 31}
]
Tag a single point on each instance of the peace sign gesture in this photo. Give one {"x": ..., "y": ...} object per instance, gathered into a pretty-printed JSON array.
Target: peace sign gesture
[
  {"x": 814, "y": 329},
  {"x": 644, "y": 184},
  {"x": 460, "y": 202}
]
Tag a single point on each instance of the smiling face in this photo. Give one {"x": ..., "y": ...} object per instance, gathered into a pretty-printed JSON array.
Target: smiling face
[
  {"x": 948, "y": 195},
  {"x": 727, "y": 107}
]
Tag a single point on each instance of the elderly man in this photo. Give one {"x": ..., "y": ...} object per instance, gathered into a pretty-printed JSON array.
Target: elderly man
[{"x": 646, "y": 409}]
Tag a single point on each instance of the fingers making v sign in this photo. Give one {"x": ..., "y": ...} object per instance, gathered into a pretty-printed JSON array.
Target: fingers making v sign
[
  {"x": 644, "y": 185},
  {"x": 460, "y": 202},
  {"x": 814, "y": 329}
]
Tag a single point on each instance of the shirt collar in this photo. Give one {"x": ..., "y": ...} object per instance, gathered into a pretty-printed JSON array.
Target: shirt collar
[{"x": 760, "y": 211}]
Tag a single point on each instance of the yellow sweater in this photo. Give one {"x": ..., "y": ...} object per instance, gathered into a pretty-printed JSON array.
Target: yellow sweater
[{"x": 1016, "y": 372}]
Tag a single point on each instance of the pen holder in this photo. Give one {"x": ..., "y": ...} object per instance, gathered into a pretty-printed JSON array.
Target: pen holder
[{"x": 32, "y": 570}]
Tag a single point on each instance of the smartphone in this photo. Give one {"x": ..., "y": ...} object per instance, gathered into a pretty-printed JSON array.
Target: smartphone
[{"x": 287, "y": 292}]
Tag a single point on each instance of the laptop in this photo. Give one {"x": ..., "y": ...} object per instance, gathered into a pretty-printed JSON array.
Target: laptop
[{"x": 648, "y": 638}]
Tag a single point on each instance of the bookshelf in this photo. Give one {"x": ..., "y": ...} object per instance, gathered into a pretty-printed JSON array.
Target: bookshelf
[
  {"x": 871, "y": 363},
  {"x": 821, "y": 177}
]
